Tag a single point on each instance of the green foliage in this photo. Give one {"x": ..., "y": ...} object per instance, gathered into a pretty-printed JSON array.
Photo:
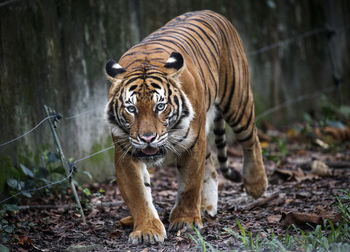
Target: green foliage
[
  {"x": 328, "y": 109},
  {"x": 200, "y": 242},
  {"x": 327, "y": 237},
  {"x": 6, "y": 228},
  {"x": 282, "y": 150},
  {"x": 330, "y": 115},
  {"x": 87, "y": 191},
  {"x": 282, "y": 145},
  {"x": 22, "y": 178},
  {"x": 3, "y": 248}
]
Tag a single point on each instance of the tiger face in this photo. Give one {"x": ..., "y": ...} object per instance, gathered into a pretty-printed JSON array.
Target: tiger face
[{"x": 148, "y": 111}]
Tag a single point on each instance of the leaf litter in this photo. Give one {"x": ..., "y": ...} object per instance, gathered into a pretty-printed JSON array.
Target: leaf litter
[{"x": 302, "y": 188}]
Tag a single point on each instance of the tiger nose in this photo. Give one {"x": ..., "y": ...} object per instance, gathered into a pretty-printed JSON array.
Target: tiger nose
[{"x": 148, "y": 137}]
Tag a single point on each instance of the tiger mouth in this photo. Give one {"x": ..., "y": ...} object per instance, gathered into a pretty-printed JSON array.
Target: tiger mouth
[{"x": 151, "y": 152}]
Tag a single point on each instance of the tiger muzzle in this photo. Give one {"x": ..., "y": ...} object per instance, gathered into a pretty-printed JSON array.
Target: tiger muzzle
[{"x": 150, "y": 154}]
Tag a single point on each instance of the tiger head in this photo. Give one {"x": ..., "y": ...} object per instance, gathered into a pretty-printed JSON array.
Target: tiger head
[{"x": 147, "y": 109}]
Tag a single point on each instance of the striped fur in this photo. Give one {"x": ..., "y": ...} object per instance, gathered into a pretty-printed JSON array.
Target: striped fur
[{"x": 162, "y": 90}]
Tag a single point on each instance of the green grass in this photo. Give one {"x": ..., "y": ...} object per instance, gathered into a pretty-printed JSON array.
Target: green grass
[{"x": 327, "y": 237}]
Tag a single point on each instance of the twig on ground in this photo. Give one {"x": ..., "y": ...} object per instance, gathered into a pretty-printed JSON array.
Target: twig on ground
[
  {"x": 71, "y": 206},
  {"x": 259, "y": 202}
]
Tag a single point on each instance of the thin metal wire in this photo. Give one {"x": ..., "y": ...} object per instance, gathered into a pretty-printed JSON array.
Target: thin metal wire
[
  {"x": 288, "y": 41},
  {"x": 28, "y": 132},
  {"x": 83, "y": 113},
  {"x": 293, "y": 101},
  {"x": 39, "y": 188},
  {"x": 46, "y": 118},
  {"x": 94, "y": 154},
  {"x": 7, "y": 3},
  {"x": 62, "y": 180}
]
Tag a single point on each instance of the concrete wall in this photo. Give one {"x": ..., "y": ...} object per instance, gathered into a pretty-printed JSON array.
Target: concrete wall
[{"x": 53, "y": 52}]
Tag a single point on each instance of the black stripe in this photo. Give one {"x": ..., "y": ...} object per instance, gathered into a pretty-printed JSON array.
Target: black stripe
[
  {"x": 176, "y": 100},
  {"x": 219, "y": 132},
  {"x": 247, "y": 124},
  {"x": 235, "y": 122},
  {"x": 219, "y": 140},
  {"x": 221, "y": 145},
  {"x": 246, "y": 138},
  {"x": 132, "y": 80},
  {"x": 155, "y": 85},
  {"x": 218, "y": 116},
  {"x": 222, "y": 159},
  {"x": 214, "y": 57},
  {"x": 208, "y": 37},
  {"x": 132, "y": 87},
  {"x": 184, "y": 137},
  {"x": 154, "y": 77}
]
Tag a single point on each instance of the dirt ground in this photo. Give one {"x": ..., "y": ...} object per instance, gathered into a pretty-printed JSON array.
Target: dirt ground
[{"x": 293, "y": 188}]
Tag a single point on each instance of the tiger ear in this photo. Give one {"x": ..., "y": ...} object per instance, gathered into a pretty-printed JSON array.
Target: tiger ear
[
  {"x": 174, "y": 64},
  {"x": 114, "y": 71}
]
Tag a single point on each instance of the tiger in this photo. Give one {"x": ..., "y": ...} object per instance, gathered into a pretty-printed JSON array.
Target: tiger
[{"x": 165, "y": 94}]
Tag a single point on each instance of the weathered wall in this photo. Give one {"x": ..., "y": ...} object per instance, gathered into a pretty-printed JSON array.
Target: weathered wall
[{"x": 53, "y": 52}]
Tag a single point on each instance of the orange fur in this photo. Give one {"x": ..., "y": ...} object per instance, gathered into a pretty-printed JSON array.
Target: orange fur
[{"x": 161, "y": 92}]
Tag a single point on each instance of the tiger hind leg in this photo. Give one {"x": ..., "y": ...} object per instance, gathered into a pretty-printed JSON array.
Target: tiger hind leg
[{"x": 243, "y": 125}]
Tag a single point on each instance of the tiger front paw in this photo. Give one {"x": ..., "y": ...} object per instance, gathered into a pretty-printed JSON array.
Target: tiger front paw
[
  {"x": 256, "y": 186},
  {"x": 187, "y": 222},
  {"x": 152, "y": 232}
]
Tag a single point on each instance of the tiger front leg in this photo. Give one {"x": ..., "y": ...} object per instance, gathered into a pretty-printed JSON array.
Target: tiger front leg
[
  {"x": 187, "y": 209},
  {"x": 134, "y": 184}
]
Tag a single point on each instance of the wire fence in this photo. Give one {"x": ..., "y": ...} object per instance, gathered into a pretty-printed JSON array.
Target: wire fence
[
  {"x": 289, "y": 40},
  {"x": 258, "y": 117}
]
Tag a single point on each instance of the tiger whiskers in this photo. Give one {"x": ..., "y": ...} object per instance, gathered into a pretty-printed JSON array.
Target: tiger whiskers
[
  {"x": 125, "y": 145},
  {"x": 174, "y": 143},
  {"x": 171, "y": 147}
]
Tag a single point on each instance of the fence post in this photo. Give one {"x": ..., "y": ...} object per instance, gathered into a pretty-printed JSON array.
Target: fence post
[{"x": 68, "y": 168}]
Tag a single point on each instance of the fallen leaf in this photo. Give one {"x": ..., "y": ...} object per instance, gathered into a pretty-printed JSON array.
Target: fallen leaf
[
  {"x": 117, "y": 233},
  {"x": 93, "y": 213},
  {"x": 304, "y": 220},
  {"x": 320, "y": 143},
  {"x": 290, "y": 174},
  {"x": 127, "y": 221},
  {"x": 264, "y": 144},
  {"x": 319, "y": 168},
  {"x": 297, "y": 175},
  {"x": 337, "y": 133},
  {"x": 24, "y": 241},
  {"x": 274, "y": 218},
  {"x": 291, "y": 132},
  {"x": 289, "y": 201},
  {"x": 301, "y": 152},
  {"x": 301, "y": 219}
]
